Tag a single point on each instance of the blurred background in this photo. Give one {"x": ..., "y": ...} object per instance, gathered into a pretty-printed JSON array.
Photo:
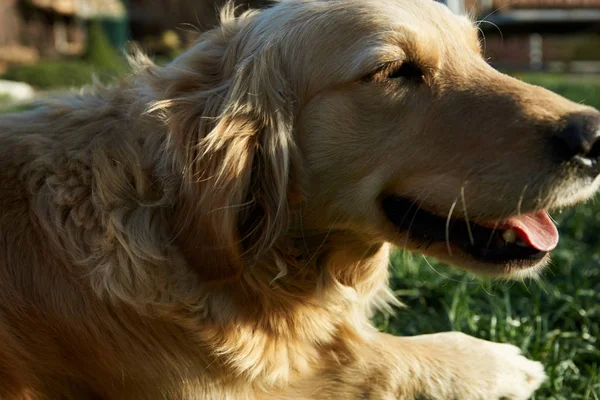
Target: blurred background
[{"x": 54, "y": 45}]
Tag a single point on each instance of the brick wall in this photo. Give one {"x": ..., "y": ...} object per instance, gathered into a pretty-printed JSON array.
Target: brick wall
[
  {"x": 546, "y": 4},
  {"x": 514, "y": 50}
]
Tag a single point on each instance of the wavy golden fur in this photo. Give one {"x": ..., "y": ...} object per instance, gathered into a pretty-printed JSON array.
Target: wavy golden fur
[{"x": 209, "y": 229}]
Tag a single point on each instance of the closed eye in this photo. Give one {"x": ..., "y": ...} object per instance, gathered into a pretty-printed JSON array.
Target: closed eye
[{"x": 406, "y": 70}]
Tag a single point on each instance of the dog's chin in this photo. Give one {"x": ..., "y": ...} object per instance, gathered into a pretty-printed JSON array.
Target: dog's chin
[
  {"x": 487, "y": 249},
  {"x": 518, "y": 268}
]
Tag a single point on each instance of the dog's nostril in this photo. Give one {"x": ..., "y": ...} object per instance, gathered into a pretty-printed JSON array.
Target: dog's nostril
[{"x": 580, "y": 137}]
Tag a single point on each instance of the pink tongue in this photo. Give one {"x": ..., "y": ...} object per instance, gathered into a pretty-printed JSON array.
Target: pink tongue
[{"x": 537, "y": 230}]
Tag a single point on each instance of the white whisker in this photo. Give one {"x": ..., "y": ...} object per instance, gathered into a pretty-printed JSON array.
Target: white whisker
[
  {"x": 487, "y": 246},
  {"x": 302, "y": 229},
  {"x": 323, "y": 242},
  {"x": 410, "y": 225},
  {"x": 486, "y": 291},
  {"x": 462, "y": 196},
  {"x": 448, "y": 226},
  {"x": 494, "y": 25},
  {"x": 484, "y": 39},
  {"x": 496, "y": 10},
  {"x": 521, "y": 197},
  {"x": 414, "y": 203},
  {"x": 446, "y": 276}
]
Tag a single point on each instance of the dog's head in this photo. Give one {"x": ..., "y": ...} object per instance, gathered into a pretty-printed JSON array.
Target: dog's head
[{"x": 378, "y": 118}]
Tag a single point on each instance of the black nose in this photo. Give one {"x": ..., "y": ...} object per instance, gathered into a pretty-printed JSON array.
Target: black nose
[{"x": 580, "y": 138}]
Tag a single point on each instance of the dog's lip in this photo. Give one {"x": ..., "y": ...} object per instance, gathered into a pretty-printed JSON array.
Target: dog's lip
[{"x": 483, "y": 241}]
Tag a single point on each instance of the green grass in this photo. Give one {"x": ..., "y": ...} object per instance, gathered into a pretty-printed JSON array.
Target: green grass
[
  {"x": 63, "y": 74},
  {"x": 7, "y": 106},
  {"x": 100, "y": 61},
  {"x": 582, "y": 89},
  {"x": 555, "y": 320}
]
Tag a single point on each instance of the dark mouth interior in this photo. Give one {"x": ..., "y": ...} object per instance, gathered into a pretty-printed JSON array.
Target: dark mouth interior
[{"x": 426, "y": 228}]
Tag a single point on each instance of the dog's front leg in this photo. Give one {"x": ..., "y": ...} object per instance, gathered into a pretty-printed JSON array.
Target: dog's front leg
[
  {"x": 441, "y": 366},
  {"x": 457, "y": 366}
]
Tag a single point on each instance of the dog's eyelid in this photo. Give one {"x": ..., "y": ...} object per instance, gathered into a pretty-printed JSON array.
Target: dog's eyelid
[
  {"x": 399, "y": 70},
  {"x": 407, "y": 70}
]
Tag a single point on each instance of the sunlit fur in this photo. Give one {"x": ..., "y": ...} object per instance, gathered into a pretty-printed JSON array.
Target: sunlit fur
[{"x": 211, "y": 229}]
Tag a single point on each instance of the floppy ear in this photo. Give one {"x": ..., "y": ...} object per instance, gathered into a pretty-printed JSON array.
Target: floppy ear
[{"x": 230, "y": 130}]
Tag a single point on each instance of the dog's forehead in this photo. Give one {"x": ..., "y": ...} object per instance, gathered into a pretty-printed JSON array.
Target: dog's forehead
[
  {"x": 419, "y": 23},
  {"x": 355, "y": 37}
]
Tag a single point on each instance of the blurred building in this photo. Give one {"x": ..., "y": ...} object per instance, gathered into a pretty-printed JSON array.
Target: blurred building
[
  {"x": 517, "y": 12},
  {"x": 43, "y": 28},
  {"x": 538, "y": 34},
  {"x": 519, "y": 33},
  {"x": 151, "y": 18}
]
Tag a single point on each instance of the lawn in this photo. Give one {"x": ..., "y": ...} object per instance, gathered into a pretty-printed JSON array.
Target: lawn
[
  {"x": 7, "y": 106},
  {"x": 555, "y": 320}
]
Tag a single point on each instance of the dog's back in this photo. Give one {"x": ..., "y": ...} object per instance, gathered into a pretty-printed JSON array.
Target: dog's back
[{"x": 65, "y": 169}]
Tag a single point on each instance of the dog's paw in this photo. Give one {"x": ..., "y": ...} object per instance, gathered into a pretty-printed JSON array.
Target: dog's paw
[
  {"x": 476, "y": 369},
  {"x": 517, "y": 377}
]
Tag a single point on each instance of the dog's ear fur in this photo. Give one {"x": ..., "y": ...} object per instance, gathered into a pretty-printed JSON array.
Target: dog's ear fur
[{"x": 229, "y": 122}]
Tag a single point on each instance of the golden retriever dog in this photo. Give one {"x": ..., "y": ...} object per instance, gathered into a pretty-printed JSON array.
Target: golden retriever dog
[{"x": 219, "y": 227}]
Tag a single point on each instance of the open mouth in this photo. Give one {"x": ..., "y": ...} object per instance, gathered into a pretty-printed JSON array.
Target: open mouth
[{"x": 522, "y": 240}]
